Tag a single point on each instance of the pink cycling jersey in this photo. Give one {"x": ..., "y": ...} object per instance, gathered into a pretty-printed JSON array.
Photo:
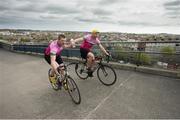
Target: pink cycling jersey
[
  {"x": 53, "y": 48},
  {"x": 89, "y": 41}
]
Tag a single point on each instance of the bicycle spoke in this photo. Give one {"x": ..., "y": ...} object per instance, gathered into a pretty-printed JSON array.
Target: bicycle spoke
[
  {"x": 80, "y": 71},
  {"x": 104, "y": 72},
  {"x": 106, "y": 75},
  {"x": 73, "y": 90},
  {"x": 55, "y": 86}
]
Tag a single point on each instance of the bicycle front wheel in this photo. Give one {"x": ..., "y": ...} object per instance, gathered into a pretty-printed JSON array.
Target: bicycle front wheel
[
  {"x": 73, "y": 90},
  {"x": 54, "y": 83},
  {"x": 106, "y": 75}
]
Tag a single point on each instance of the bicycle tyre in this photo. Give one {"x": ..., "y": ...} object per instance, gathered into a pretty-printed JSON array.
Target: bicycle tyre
[
  {"x": 109, "y": 71},
  {"x": 80, "y": 71},
  {"x": 54, "y": 86},
  {"x": 71, "y": 87}
]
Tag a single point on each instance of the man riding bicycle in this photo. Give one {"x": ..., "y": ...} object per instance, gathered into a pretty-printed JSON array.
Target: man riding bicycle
[
  {"x": 52, "y": 55},
  {"x": 86, "y": 48}
]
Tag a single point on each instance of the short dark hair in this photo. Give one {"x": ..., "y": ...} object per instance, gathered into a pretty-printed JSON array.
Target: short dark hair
[{"x": 61, "y": 36}]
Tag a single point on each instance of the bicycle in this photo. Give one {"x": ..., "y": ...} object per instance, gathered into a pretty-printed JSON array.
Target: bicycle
[
  {"x": 103, "y": 71},
  {"x": 67, "y": 82}
]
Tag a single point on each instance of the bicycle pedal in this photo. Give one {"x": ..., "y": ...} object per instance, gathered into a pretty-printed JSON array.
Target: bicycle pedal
[{"x": 90, "y": 74}]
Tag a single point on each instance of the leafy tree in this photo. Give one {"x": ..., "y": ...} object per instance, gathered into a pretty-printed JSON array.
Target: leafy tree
[
  {"x": 118, "y": 52},
  {"x": 121, "y": 54},
  {"x": 167, "y": 54},
  {"x": 143, "y": 58},
  {"x": 23, "y": 40}
]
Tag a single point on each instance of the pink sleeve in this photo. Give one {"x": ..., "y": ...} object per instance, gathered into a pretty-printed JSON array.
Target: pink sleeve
[
  {"x": 53, "y": 49},
  {"x": 86, "y": 37}
]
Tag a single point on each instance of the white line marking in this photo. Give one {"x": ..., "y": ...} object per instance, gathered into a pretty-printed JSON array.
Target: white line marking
[{"x": 102, "y": 102}]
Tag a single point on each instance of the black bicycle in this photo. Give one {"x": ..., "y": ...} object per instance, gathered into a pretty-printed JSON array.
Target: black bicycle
[
  {"x": 67, "y": 82},
  {"x": 106, "y": 74}
]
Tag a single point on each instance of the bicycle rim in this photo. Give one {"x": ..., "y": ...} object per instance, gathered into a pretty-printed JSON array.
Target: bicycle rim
[
  {"x": 106, "y": 75},
  {"x": 73, "y": 90},
  {"x": 80, "y": 71},
  {"x": 55, "y": 86}
]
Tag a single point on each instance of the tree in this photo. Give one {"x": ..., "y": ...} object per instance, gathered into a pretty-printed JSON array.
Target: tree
[
  {"x": 167, "y": 54},
  {"x": 1, "y": 37},
  {"x": 121, "y": 54},
  {"x": 118, "y": 51},
  {"x": 23, "y": 40},
  {"x": 142, "y": 59}
]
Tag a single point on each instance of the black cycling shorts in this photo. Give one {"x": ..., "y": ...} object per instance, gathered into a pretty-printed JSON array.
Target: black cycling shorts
[
  {"x": 84, "y": 52},
  {"x": 58, "y": 59}
]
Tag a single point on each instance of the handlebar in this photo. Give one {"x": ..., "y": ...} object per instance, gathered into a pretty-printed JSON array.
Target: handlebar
[
  {"x": 61, "y": 67},
  {"x": 100, "y": 58},
  {"x": 108, "y": 58}
]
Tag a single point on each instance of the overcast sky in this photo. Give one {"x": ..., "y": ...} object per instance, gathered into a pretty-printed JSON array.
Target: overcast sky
[{"x": 132, "y": 16}]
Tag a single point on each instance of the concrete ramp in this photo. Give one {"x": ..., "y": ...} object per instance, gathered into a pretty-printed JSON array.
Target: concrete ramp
[{"x": 25, "y": 92}]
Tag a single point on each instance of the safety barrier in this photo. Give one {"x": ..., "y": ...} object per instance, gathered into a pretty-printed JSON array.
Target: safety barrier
[{"x": 127, "y": 60}]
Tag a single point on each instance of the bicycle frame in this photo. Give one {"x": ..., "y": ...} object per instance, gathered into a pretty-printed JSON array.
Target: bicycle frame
[
  {"x": 64, "y": 70},
  {"x": 103, "y": 71},
  {"x": 97, "y": 63}
]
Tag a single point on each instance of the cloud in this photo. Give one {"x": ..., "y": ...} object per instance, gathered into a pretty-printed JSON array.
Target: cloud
[
  {"x": 30, "y": 7},
  {"x": 172, "y": 6},
  {"x": 50, "y": 16},
  {"x": 172, "y": 3},
  {"x": 21, "y": 6},
  {"x": 3, "y": 8},
  {"x": 172, "y": 9},
  {"x": 6, "y": 21},
  {"x": 4, "y": 5},
  {"x": 97, "y": 19},
  {"x": 101, "y": 12},
  {"x": 139, "y": 23},
  {"x": 89, "y": 20},
  {"x": 176, "y": 8},
  {"x": 109, "y": 2},
  {"x": 59, "y": 9},
  {"x": 84, "y": 14}
]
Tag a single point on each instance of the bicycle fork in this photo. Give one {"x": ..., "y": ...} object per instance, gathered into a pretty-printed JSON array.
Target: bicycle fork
[{"x": 104, "y": 71}]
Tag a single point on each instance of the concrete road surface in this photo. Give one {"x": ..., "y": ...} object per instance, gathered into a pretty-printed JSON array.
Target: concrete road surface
[{"x": 25, "y": 92}]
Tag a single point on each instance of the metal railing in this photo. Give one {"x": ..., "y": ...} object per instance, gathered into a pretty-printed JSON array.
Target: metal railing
[
  {"x": 161, "y": 54},
  {"x": 138, "y": 53}
]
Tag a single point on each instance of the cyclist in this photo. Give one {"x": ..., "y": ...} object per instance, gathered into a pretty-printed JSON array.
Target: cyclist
[
  {"x": 86, "y": 48},
  {"x": 52, "y": 55}
]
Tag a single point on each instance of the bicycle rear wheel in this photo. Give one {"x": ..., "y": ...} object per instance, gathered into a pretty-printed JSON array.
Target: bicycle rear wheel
[
  {"x": 54, "y": 84},
  {"x": 73, "y": 90},
  {"x": 80, "y": 71},
  {"x": 106, "y": 75}
]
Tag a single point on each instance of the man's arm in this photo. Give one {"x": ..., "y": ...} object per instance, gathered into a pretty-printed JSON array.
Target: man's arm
[
  {"x": 69, "y": 45},
  {"x": 72, "y": 42},
  {"x": 78, "y": 39},
  {"x": 102, "y": 48}
]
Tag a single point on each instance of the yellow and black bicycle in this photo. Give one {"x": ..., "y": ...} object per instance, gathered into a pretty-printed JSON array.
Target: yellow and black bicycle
[{"x": 66, "y": 81}]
